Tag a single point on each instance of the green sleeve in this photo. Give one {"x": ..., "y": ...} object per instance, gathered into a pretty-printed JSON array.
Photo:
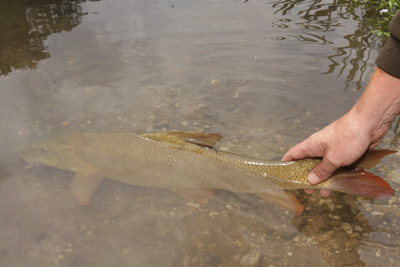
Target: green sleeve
[{"x": 389, "y": 58}]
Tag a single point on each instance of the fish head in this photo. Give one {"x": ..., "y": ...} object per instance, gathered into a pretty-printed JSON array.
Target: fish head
[{"x": 51, "y": 152}]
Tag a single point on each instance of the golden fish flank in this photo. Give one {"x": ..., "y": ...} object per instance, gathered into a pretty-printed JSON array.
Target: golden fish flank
[{"x": 186, "y": 163}]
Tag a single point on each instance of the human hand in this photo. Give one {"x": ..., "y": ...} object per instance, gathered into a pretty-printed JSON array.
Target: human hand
[
  {"x": 344, "y": 141},
  {"x": 339, "y": 144}
]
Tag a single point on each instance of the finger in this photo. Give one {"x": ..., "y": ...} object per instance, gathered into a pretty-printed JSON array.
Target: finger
[
  {"x": 305, "y": 149},
  {"x": 309, "y": 191},
  {"x": 297, "y": 152},
  {"x": 324, "y": 193},
  {"x": 322, "y": 171}
]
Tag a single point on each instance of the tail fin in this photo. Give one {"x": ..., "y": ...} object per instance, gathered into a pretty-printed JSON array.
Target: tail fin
[
  {"x": 361, "y": 183},
  {"x": 371, "y": 158}
]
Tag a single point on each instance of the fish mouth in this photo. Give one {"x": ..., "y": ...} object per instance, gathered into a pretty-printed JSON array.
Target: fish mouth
[{"x": 31, "y": 163}]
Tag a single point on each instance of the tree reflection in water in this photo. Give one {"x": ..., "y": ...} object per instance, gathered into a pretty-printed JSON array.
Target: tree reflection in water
[
  {"x": 25, "y": 25},
  {"x": 355, "y": 59}
]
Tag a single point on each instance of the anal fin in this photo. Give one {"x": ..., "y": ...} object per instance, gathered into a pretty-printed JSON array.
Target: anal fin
[
  {"x": 200, "y": 196},
  {"x": 83, "y": 185},
  {"x": 283, "y": 199}
]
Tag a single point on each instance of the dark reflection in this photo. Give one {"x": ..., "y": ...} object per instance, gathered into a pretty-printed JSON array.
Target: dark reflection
[
  {"x": 336, "y": 225},
  {"x": 25, "y": 25},
  {"x": 316, "y": 18}
]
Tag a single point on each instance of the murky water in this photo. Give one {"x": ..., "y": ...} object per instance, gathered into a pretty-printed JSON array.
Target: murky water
[{"x": 265, "y": 74}]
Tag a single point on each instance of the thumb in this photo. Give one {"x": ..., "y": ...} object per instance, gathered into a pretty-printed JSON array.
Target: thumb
[{"x": 322, "y": 171}]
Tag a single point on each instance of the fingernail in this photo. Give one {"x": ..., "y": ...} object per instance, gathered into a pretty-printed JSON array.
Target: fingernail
[{"x": 313, "y": 178}]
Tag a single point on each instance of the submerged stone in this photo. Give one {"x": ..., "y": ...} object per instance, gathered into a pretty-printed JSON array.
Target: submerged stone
[{"x": 251, "y": 259}]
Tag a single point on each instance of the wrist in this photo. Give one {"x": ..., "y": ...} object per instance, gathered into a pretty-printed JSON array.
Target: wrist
[{"x": 380, "y": 102}]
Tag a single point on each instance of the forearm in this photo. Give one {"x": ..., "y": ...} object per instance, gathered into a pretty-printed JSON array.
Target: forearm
[{"x": 378, "y": 105}]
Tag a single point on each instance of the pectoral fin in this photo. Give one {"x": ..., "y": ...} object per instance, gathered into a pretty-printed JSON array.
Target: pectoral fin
[
  {"x": 283, "y": 199},
  {"x": 202, "y": 139},
  {"x": 200, "y": 196},
  {"x": 83, "y": 186}
]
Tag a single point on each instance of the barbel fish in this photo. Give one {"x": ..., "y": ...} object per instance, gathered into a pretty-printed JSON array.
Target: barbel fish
[{"x": 187, "y": 163}]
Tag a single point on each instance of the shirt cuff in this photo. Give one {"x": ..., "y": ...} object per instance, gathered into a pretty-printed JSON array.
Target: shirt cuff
[{"x": 389, "y": 58}]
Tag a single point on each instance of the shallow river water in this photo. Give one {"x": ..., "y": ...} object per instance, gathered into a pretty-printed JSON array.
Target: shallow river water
[{"x": 265, "y": 74}]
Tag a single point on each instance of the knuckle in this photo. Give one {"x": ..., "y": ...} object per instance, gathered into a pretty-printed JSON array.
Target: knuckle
[
  {"x": 333, "y": 162},
  {"x": 323, "y": 173},
  {"x": 327, "y": 167}
]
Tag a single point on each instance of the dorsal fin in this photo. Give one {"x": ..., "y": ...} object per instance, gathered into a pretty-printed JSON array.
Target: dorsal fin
[
  {"x": 371, "y": 158},
  {"x": 202, "y": 139}
]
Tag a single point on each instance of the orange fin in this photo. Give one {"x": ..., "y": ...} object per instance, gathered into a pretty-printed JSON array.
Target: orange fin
[
  {"x": 361, "y": 183},
  {"x": 200, "y": 196},
  {"x": 283, "y": 199},
  {"x": 83, "y": 186},
  {"x": 202, "y": 139},
  {"x": 371, "y": 158}
]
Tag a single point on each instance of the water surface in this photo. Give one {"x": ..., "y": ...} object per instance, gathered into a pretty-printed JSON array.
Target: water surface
[{"x": 265, "y": 74}]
